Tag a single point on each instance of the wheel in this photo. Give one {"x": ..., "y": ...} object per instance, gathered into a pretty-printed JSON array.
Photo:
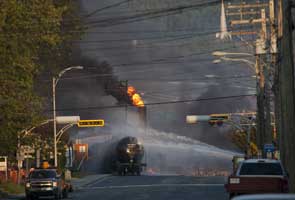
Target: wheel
[
  {"x": 57, "y": 196},
  {"x": 65, "y": 193},
  {"x": 232, "y": 195},
  {"x": 71, "y": 188},
  {"x": 28, "y": 197}
]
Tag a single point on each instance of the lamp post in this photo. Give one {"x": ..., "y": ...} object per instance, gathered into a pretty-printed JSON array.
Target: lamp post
[
  {"x": 263, "y": 98},
  {"x": 222, "y": 56},
  {"x": 54, "y": 83},
  {"x": 223, "y": 53},
  {"x": 251, "y": 64},
  {"x": 194, "y": 119}
]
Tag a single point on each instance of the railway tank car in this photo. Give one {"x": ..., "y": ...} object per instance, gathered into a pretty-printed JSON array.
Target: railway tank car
[{"x": 128, "y": 158}]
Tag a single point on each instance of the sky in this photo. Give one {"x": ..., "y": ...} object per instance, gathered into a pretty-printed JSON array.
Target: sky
[{"x": 164, "y": 49}]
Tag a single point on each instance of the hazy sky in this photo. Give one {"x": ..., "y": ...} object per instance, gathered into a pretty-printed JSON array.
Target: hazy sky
[{"x": 167, "y": 59}]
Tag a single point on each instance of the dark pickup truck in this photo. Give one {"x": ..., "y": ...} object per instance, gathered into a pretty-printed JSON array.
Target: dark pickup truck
[
  {"x": 255, "y": 176},
  {"x": 45, "y": 182}
]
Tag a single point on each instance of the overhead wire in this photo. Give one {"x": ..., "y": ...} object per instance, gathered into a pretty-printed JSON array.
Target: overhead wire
[
  {"x": 147, "y": 15},
  {"x": 106, "y": 8},
  {"x": 159, "y": 103}
]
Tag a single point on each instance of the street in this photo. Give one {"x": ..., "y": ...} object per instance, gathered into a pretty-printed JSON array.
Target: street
[
  {"x": 153, "y": 187},
  {"x": 147, "y": 99}
]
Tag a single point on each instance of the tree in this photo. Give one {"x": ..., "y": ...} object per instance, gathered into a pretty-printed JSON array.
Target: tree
[
  {"x": 28, "y": 31},
  {"x": 239, "y": 138}
]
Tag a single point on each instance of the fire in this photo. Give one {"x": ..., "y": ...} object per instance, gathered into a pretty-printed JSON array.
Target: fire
[
  {"x": 131, "y": 91},
  {"x": 135, "y": 97}
]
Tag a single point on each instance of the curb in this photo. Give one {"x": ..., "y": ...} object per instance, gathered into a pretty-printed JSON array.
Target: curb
[
  {"x": 5, "y": 195},
  {"x": 16, "y": 196}
]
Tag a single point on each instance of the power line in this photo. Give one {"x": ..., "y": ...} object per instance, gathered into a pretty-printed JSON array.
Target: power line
[
  {"x": 158, "y": 103},
  {"x": 131, "y": 18},
  {"x": 165, "y": 37},
  {"x": 106, "y": 8},
  {"x": 162, "y": 80},
  {"x": 148, "y": 15}
]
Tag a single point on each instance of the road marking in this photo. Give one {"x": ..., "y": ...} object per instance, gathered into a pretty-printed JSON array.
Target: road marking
[
  {"x": 99, "y": 180},
  {"x": 153, "y": 185}
]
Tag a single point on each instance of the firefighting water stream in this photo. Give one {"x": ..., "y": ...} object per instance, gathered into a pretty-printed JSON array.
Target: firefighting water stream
[
  {"x": 165, "y": 153},
  {"x": 165, "y": 61}
]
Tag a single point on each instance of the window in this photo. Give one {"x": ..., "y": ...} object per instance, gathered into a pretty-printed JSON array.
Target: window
[
  {"x": 261, "y": 169},
  {"x": 82, "y": 149},
  {"x": 43, "y": 174}
]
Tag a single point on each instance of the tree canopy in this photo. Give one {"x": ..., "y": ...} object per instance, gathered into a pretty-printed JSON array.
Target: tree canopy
[{"x": 31, "y": 32}]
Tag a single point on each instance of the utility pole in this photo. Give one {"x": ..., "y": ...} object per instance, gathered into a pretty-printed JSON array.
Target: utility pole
[
  {"x": 286, "y": 89},
  {"x": 54, "y": 120},
  {"x": 246, "y": 12},
  {"x": 275, "y": 67},
  {"x": 265, "y": 71}
]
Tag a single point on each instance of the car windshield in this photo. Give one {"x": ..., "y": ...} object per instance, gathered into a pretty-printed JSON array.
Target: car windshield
[
  {"x": 43, "y": 174},
  {"x": 261, "y": 169}
]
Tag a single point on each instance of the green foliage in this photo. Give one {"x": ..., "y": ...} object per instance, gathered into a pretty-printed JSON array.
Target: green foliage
[
  {"x": 239, "y": 138},
  {"x": 28, "y": 30},
  {"x": 12, "y": 188}
]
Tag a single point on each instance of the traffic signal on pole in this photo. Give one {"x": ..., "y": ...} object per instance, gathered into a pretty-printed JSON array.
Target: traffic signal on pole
[{"x": 218, "y": 119}]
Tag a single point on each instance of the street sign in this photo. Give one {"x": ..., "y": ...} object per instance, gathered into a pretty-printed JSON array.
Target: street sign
[
  {"x": 67, "y": 119},
  {"x": 20, "y": 156},
  {"x": 3, "y": 163},
  {"x": 27, "y": 149},
  {"x": 219, "y": 117},
  {"x": 269, "y": 148},
  {"x": 91, "y": 123}
]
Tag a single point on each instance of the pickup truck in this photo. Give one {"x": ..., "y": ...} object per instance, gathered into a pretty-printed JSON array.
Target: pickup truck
[
  {"x": 45, "y": 182},
  {"x": 255, "y": 176}
]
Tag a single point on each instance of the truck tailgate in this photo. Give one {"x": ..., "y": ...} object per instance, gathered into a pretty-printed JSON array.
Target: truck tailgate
[{"x": 257, "y": 185}]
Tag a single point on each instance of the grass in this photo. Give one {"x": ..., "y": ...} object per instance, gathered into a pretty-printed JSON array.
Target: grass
[{"x": 12, "y": 188}]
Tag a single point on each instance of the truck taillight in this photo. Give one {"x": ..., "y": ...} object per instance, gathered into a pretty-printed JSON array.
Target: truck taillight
[{"x": 234, "y": 180}]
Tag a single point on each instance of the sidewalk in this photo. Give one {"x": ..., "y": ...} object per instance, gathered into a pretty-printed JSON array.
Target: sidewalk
[
  {"x": 79, "y": 183},
  {"x": 6, "y": 196}
]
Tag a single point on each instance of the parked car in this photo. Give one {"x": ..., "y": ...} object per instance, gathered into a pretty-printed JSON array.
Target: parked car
[
  {"x": 45, "y": 182},
  {"x": 266, "y": 197},
  {"x": 256, "y": 176}
]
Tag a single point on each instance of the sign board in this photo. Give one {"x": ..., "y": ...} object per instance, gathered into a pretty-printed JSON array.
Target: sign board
[
  {"x": 3, "y": 163},
  {"x": 67, "y": 119},
  {"x": 269, "y": 148},
  {"x": 193, "y": 119},
  {"x": 219, "y": 117},
  {"x": 27, "y": 149},
  {"x": 81, "y": 150},
  {"x": 20, "y": 156},
  {"x": 91, "y": 123}
]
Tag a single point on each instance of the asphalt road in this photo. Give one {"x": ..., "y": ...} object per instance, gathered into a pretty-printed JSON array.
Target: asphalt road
[{"x": 153, "y": 187}]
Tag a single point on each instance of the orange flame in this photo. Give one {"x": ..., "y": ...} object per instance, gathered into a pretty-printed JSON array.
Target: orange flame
[
  {"x": 131, "y": 91},
  {"x": 135, "y": 97}
]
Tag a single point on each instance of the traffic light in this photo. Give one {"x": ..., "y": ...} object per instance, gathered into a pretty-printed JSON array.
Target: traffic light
[{"x": 218, "y": 119}]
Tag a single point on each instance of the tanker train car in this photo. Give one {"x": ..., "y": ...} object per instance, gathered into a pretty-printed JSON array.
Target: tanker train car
[{"x": 128, "y": 156}]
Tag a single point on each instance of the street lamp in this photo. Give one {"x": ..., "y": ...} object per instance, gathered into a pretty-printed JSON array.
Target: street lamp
[
  {"x": 222, "y": 56},
  {"x": 54, "y": 83},
  {"x": 223, "y": 53},
  {"x": 250, "y": 63},
  {"x": 224, "y": 118}
]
